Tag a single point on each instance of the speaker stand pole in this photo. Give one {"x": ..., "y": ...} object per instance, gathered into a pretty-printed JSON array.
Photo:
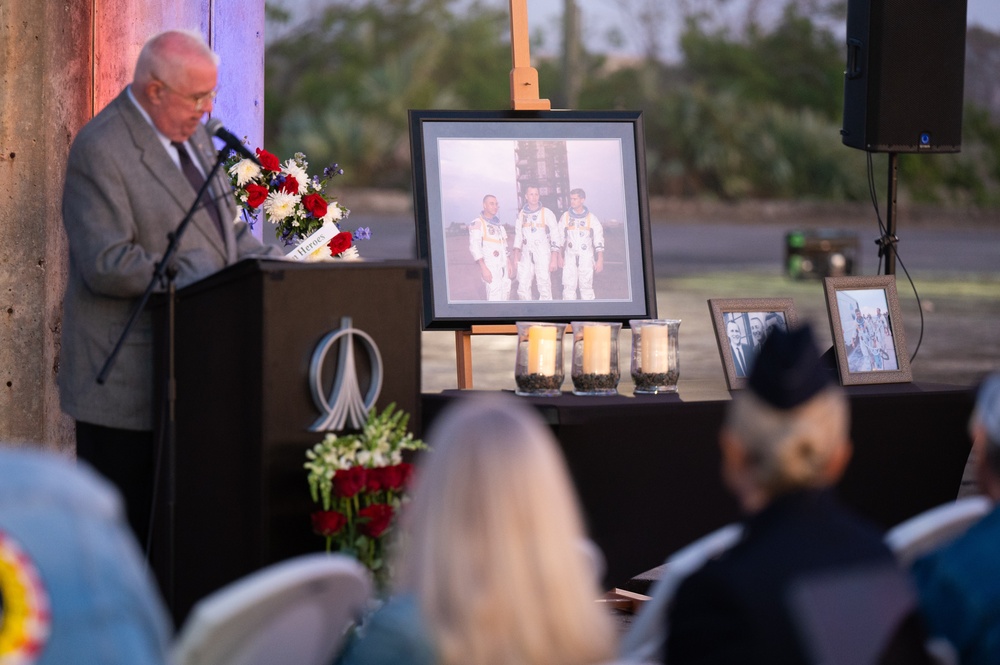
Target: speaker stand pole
[{"x": 887, "y": 244}]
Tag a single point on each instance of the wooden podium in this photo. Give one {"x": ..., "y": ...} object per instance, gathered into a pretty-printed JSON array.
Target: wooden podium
[{"x": 244, "y": 341}]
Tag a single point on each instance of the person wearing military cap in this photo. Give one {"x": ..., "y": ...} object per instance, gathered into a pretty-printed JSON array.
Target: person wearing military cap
[{"x": 804, "y": 564}]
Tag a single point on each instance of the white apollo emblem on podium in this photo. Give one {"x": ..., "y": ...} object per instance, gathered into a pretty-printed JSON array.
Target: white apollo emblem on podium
[{"x": 346, "y": 405}]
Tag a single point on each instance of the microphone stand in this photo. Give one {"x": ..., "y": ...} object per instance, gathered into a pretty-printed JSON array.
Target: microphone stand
[{"x": 165, "y": 272}]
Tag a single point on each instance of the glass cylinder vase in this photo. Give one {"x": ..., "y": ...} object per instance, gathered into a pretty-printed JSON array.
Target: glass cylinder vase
[
  {"x": 595, "y": 358},
  {"x": 656, "y": 366},
  {"x": 538, "y": 367}
]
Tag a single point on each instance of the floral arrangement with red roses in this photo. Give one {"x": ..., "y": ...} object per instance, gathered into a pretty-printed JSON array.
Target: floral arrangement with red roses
[
  {"x": 360, "y": 482},
  {"x": 295, "y": 203}
]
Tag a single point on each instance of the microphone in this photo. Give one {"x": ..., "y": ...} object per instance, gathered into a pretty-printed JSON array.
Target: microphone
[{"x": 215, "y": 128}]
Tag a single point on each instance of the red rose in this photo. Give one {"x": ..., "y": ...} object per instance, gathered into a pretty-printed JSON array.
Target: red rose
[
  {"x": 256, "y": 194},
  {"x": 315, "y": 204},
  {"x": 375, "y": 519},
  {"x": 395, "y": 477},
  {"x": 340, "y": 242},
  {"x": 327, "y": 522},
  {"x": 348, "y": 482},
  {"x": 290, "y": 185},
  {"x": 406, "y": 472},
  {"x": 375, "y": 480},
  {"x": 268, "y": 161}
]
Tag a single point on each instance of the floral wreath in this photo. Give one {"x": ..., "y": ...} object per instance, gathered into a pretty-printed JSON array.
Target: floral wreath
[{"x": 295, "y": 203}]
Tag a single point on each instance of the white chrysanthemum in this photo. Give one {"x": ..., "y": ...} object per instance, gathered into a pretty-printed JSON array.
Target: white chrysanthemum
[
  {"x": 244, "y": 171},
  {"x": 350, "y": 254},
  {"x": 333, "y": 213},
  {"x": 297, "y": 172},
  {"x": 279, "y": 205}
]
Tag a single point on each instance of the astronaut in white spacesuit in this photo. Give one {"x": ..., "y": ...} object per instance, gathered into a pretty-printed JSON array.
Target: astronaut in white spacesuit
[
  {"x": 536, "y": 246},
  {"x": 488, "y": 245},
  {"x": 583, "y": 237}
]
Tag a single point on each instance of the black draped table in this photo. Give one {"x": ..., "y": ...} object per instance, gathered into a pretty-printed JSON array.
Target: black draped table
[{"x": 647, "y": 467}]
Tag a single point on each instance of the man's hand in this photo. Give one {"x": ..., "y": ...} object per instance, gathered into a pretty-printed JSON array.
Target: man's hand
[
  {"x": 599, "y": 266},
  {"x": 487, "y": 275}
]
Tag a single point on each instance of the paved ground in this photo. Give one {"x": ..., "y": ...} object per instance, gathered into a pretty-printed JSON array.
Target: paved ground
[{"x": 716, "y": 251}]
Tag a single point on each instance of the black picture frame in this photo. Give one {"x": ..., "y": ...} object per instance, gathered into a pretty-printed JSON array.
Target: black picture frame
[{"x": 459, "y": 157}]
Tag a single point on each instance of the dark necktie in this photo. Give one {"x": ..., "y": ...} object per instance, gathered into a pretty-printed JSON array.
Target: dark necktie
[{"x": 196, "y": 179}]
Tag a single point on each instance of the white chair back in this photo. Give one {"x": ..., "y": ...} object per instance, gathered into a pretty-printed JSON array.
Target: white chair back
[
  {"x": 296, "y": 611},
  {"x": 647, "y": 638},
  {"x": 934, "y": 528}
]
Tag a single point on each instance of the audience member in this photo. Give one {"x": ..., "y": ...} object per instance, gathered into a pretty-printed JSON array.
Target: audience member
[
  {"x": 493, "y": 566},
  {"x": 959, "y": 585},
  {"x": 73, "y": 584},
  {"x": 785, "y": 442}
]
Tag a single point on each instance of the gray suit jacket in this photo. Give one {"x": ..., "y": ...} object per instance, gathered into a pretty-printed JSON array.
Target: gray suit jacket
[{"x": 123, "y": 195}]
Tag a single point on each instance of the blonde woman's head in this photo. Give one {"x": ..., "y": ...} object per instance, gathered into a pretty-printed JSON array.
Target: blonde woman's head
[{"x": 494, "y": 543}]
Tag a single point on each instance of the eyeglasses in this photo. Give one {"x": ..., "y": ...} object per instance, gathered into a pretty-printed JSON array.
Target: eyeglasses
[{"x": 198, "y": 100}]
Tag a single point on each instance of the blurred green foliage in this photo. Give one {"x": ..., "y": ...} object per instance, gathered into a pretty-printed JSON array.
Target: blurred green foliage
[{"x": 748, "y": 113}]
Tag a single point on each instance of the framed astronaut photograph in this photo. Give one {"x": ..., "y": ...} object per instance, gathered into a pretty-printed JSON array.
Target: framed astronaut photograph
[
  {"x": 742, "y": 325},
  {"x": 531, "y": 215},
  {"x": 867, "y": 329}
]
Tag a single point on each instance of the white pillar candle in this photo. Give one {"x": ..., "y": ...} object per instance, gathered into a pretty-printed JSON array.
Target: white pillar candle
[
  {"x": 542, "y": 350},
  {"x": 655, "y": 346},
  {"x": 597, "y": 349}
]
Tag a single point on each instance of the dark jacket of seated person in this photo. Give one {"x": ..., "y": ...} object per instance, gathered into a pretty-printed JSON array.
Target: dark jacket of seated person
[
  {"x": 808, "y": 582},
  {"x": 959, "y": 585}
]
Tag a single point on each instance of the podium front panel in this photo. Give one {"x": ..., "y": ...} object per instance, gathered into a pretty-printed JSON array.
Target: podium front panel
[{"x": 244, "y": 341}]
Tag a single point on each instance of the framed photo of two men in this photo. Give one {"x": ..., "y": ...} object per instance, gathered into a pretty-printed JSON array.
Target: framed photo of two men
[
  {"x": 531, "y": 215},
  {"x": 741, "y": 327}
]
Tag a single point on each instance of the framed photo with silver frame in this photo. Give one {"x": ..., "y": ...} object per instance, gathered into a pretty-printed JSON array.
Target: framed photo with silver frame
[
  {"x": 867, "y": 329},
  {"x": 531, "y": 216},
  {"x": 741, "y": 327}
]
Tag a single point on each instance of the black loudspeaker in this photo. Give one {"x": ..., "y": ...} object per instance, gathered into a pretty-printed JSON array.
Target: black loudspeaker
[{"x": 905, "y": 75}]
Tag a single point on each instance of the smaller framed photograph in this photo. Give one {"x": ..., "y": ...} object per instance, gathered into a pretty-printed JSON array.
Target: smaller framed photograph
[
  {"x": 741, "y": 326},
  {"x": 867, "y": 330}
]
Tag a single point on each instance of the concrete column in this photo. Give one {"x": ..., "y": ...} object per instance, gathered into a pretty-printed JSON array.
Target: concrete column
[
  {"x": 237, "y": 35},
  {"x": 61, "y": 62},
  {"x": 45, "y": 97}
]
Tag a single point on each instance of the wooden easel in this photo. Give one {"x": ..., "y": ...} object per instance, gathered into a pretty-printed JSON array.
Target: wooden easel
[
  {"x": 523, "y": 97},
  {"x": 523, "y": 77}
]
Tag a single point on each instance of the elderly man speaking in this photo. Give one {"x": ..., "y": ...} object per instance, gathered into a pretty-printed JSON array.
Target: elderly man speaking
[{"x": 134, "y": 171}]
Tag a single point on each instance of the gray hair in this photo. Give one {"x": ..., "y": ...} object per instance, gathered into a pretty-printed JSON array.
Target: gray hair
[
  {"x": 986, "y": 415},
  {"x": 789, "y": 449}
]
